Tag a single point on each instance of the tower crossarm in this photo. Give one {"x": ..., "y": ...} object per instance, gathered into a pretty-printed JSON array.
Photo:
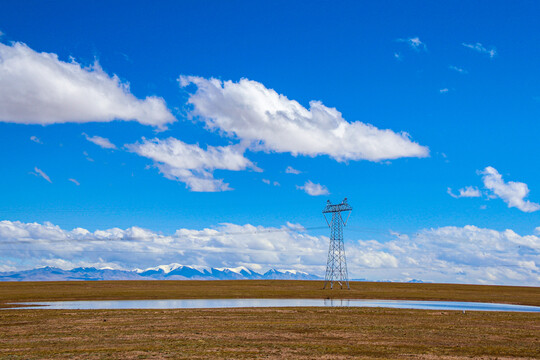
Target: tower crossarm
[{"x": 330, "y": 208}]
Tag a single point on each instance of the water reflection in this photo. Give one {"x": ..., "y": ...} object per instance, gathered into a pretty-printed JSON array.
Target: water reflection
[
  {"x": 248, "y": 303},
  {"x": 337, "y": 302}
]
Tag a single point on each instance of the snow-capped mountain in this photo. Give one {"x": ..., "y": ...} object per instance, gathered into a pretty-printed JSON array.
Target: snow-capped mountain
[{"x": 162, "y": 272}]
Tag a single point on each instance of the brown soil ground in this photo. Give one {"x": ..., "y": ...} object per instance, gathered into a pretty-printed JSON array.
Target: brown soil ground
[{"x": 293, "y": 333}]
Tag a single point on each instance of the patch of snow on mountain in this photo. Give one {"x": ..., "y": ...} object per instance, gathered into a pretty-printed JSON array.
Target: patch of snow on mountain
[
  {"x": 165, "y": 268},
  {"x": 236, "y": 270}
]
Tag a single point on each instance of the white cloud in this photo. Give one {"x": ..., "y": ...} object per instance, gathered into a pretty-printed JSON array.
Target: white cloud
[
  {"x": 291, "y": 170},
  {"x": 265, "y": 120},
  {"x": 398, "y": 56},
  {"x": 41, "y": 173},
  {"x": 468, "y": 191},
  {"x": 512, "y": 193},
  {"x": 100, "y": 141},
  {"x": 227, "y": 245},
  {"x": 38, "y": 88},
  {"x": 313, "y": 189},
  {"x": 88, "y": 156},
  {"x": 481, "y": 49},
  {"x": 459, "y": 70},
  {"x": 444, "y": 91},
  {"x": 449, "y": 254},
  {"x": 35, "y": 139},
  {"x": 74, "y": 181},
  {"x": 268, "y": 182},
  {"x": 399, "y": 235},
  {"x": 537, "y": 230},
  {"x": 191, "y": 164},
  {"x": 415, "y": 43}
]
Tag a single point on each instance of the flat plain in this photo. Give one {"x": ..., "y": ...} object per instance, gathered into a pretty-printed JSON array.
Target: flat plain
[{"x": 294, "y": 333}]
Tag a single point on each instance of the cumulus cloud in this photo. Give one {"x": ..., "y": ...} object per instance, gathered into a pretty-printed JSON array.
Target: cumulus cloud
[
  {"x": 100, "y": 141},
  {"x": 291, "y": 170},
  {"x": 265, "y": 120},
  {"x": 35, "y": 139},
  {"x": 449, "y": 254},
  {"x": 512, "y": 193},
  {"x": 313, "y": 189},
  {"x": 468, "y": 191},
  {"x": 458, "y": 69},
  {"x": 414, "y": 43},
  {"x": 40, "y": 173},
  {"x": 481, "y": 49},
  {"x": 38, "y": 88},
  {"x": 226, "y": 245},
  {"x": 191, "y": 164},
  {"x": 537, "y": 230}
]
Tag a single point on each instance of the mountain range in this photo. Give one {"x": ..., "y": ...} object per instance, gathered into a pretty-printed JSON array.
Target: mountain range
[{"x": 163, "y": 272}]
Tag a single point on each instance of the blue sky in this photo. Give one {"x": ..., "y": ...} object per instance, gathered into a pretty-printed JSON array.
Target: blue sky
[{"x": 206, "y": 104}]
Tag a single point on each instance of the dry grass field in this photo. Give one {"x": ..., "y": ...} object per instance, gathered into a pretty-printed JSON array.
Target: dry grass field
[
  {"x": 291, "y": 333},
  {"x": 109, "y": 290}
]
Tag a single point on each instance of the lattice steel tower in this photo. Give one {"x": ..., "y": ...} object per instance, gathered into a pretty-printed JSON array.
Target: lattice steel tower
[{"x": 336, "y": 266}]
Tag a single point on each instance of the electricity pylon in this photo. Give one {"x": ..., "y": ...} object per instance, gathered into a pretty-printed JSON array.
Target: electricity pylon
[{"x": 336, "y": 266}]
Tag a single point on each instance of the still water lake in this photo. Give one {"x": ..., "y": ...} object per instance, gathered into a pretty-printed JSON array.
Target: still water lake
[{"x": 258, "y": 303}]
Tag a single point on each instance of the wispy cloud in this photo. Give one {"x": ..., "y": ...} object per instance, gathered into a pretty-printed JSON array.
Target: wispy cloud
[
  {"x": 512, "y": 193},
  {"x": 35, "y": 139},
  {"x": 291, "y": 170},
  {"x": 444, "y": 91},
  {"x": 399, "y": 235},
  {"x": 398, "y": 56},
  {"x": 100, "y": 141},
  {"x": 85, "y": 153},
  {"x": 40, "y": 173},
  {"x": 414, "y": 43},
  {"x": 467, "y": 192},
  {"x": 458, "y": 69},
  {"x": 268, "y": 182},
  {"x": 491, "y": 52},
  {"x": 74, "y": 181},
  {"x": 313, "y": 189}
]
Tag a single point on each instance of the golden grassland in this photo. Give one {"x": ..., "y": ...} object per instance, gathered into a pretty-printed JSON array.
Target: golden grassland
[
  {"x": 286, "y": 289},
  {"x": 271, "y": 333}
]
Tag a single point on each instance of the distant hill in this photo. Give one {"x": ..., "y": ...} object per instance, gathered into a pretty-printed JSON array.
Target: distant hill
[{"x": 162, "y": 272}]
